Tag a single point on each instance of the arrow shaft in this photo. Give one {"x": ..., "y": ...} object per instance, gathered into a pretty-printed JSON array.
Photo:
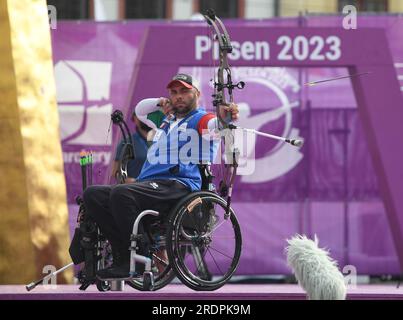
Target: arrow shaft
[{"x": 337, "y": 78}]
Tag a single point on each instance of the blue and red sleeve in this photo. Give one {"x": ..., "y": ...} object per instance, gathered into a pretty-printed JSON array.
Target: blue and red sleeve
[{"x": 203, "y": 122}]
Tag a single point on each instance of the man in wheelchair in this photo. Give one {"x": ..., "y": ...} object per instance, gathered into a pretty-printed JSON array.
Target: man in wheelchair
[{"x": 170, "y": 172}]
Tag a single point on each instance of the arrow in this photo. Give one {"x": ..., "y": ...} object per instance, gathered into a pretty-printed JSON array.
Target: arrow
[{"x": 337, "y": 78}]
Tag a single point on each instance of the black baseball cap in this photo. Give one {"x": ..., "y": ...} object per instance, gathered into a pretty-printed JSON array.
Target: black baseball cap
[{"x": 185, "y": 79}]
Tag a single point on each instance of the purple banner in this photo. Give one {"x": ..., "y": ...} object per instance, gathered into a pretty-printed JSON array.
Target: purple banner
[{"x": 329, "y": 187}]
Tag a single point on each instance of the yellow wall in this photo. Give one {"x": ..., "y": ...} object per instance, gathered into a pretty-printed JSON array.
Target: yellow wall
[
  {"x": 33, "y": 209},
  {"x": 293, "y": 7},
  {"x": 396, "y": 6}
]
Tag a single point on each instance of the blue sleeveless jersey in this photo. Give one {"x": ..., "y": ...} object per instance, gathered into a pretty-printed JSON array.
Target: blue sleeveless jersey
[{"x": 176, "y": 154}]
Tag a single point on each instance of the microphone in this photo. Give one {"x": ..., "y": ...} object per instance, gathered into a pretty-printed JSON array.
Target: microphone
[{"x": 167, "y": 119}]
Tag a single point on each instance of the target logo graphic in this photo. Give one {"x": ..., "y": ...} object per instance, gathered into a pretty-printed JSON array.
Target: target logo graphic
[
  {"x": 271, "y": 159},
  {"x": 83, "y": 93}
]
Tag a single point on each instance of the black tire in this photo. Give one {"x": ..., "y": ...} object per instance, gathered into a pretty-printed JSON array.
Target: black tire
[
  {"x": 194, "y": 224},
  {"x": 103, "y": 285}
]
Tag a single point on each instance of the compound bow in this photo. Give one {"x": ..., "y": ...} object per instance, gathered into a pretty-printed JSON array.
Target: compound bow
[{"x": 221, "y": 84}]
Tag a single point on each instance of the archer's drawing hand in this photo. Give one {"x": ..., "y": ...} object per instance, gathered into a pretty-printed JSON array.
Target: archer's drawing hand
[{"x": 165, "y": 104}]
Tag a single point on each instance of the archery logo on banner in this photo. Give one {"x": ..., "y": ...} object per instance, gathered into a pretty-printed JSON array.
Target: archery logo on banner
[
  {"x": 83, "y": 94},
  {"x": 274, "y": 99}
]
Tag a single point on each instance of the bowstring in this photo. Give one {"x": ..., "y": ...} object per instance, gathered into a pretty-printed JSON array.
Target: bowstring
[{"x": 210, "y": 33}]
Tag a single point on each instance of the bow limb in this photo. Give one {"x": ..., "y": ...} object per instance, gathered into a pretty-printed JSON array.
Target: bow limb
[{"x": 127, "y": 152}]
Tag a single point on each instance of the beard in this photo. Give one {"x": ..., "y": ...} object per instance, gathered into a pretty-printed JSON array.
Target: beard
[{"x": 184, "y": 109}]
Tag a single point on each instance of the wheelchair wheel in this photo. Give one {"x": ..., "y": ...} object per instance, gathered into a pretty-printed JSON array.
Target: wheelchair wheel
[
  {"x": 211, "y": 240},
  {"x": 103, "y": 285}
]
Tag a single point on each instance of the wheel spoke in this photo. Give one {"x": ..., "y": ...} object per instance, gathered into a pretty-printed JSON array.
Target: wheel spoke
[
  {"x": 218, "y": 267},
  {"x": 202, "y": 262},
  {"x": 221, "y": 253}
]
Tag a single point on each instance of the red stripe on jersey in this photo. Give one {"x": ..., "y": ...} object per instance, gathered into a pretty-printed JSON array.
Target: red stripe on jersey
[{"x": 202, "y": 125}]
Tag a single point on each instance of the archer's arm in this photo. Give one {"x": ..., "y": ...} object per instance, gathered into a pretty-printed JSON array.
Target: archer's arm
[{"x": 149, "y": 112}]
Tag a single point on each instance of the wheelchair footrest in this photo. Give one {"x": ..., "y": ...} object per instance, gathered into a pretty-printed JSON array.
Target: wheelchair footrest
[
  {"x": 148, "y": 281},
  {"x": 135, "y": 276}
]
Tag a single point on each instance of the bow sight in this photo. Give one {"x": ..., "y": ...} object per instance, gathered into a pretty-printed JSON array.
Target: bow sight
[{"x": 229, "y": 85}]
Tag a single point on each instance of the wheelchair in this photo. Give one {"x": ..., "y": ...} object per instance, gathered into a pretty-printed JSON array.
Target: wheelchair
[{"x": 198, "y": 242}]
